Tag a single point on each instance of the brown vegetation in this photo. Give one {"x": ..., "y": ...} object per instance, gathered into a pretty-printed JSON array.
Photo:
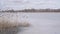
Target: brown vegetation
[
  {"x": 33, "y": 10},
  {"x": 6, "y": 24}
]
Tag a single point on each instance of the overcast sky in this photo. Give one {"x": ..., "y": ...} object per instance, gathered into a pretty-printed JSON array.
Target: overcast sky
[{"x": 22, "y": 4}]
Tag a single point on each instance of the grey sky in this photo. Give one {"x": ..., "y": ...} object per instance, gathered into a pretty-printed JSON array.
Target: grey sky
[{"x": 22, "y": 4}]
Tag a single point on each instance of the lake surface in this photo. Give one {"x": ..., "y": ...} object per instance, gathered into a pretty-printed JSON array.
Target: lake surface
[
  {"x": 25, "y": 4},
  {"x": 41, "y": 23}
]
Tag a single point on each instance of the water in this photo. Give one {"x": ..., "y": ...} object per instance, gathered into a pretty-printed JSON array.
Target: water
[
  {"x": 25, "y": 4},
  {"x": 41, "y": 23}
]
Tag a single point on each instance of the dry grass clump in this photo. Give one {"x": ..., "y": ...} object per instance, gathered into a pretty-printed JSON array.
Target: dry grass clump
[
  {"x": 8, "y": 26},
  {"x": 5, "y": 24}
]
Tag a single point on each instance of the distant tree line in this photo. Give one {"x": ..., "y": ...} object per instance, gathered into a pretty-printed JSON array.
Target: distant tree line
[{"x": 32, "y": 10}]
